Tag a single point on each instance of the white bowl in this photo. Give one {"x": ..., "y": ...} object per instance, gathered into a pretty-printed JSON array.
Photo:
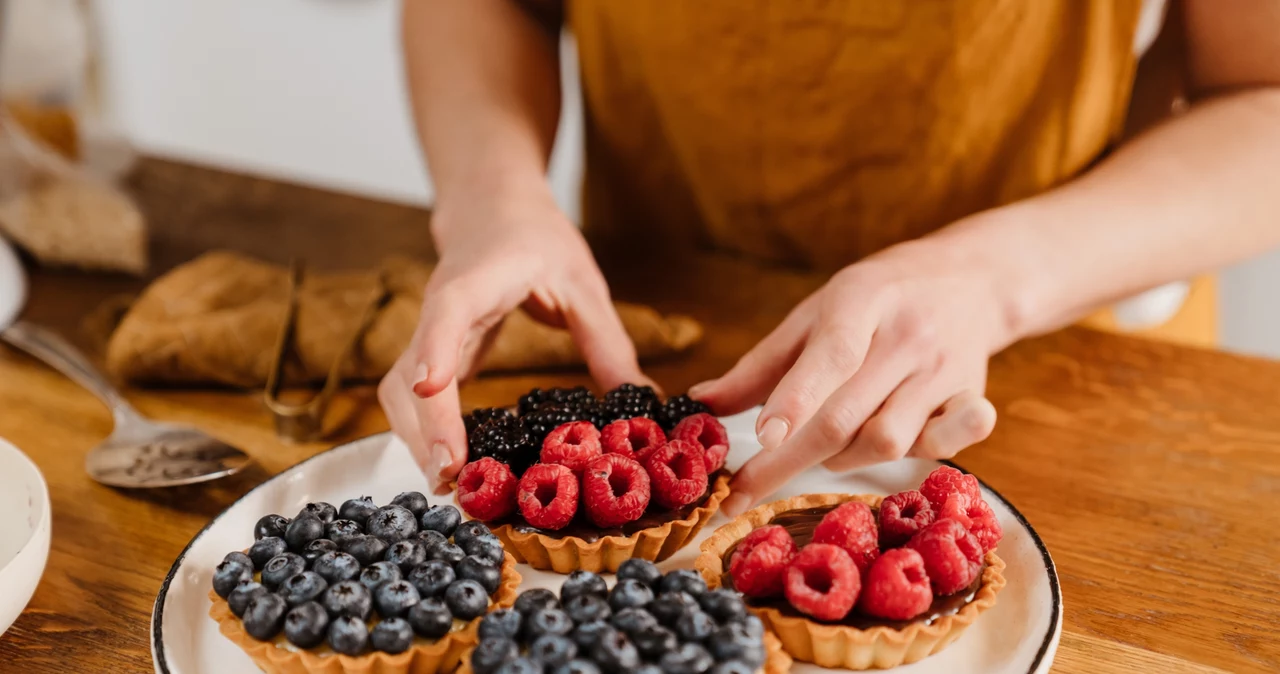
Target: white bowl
[{"x": 24, "y": 531}]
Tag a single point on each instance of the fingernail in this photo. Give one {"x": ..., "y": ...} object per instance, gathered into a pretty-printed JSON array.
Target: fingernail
[
  {"x": 697, "y": 390},
  {"x": 440, "y": 459},
  {"x": 773, "y": 432},
  {"x": 420, "y": 380},
  {"x": 737, "y": 503}
]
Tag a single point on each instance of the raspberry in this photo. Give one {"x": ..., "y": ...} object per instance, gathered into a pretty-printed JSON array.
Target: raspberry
[
  {"x": 573, "y": 444},
  {"x": 759, "y": 563},
  {"x": 945, "y": 481},
  {"x": 822, "y": 581},
  {"x": 902, "y": 515},
  {"x": 615, "y": 490},
  {"x": 487, "y": 489},
  {"x": 952, "y": 556},
  {"x": 634, "y": 438},
  {"x": 708, "y": 433},
  {"x": 897, "y": 586},
  {"x": 548, "y": 495},
  {"x": 976, "y": 516},
  {"x": 678, "y": 472},
  {"x": 852, "y": 527}
]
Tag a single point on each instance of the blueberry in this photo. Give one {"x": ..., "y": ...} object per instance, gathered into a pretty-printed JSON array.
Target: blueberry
[
  {"x": 302, "y": 530},
  {"x": 264, "y": 549},
  {"x": 642, "y": 570},
  {"x": 432, "y": 578},
  {"x": 733, "y": 667},
  {"x": 479, "y": 570},
  {"x": 413, "y": 501},
  {"x": 732, "y": 642},
  {"x": 245, "y": 592},
  {"x": 442, "y": 518},
  {"x": 669, "y": 606},
  {"x": 754, "y": 627},
  {"x": 336, "y": 567},
  {"x": 341, "y": 531},
  {"x": 392, "y": 523},
  {"x": 654, "y": 640},
  {"x": 577, "y": 667},
  {"x": 303, "y": 587},
  {"x": 552, "y": 650},
  {"x": 583, "y": 582},
  {"x": 431, "y": 618},
  {"x": 687, "y": 659},
  {"x": 648, "y": 669},
  {"x": 586, "y": 635},
  {"x": 632, "y": 620},
  {"x": 270, "y": 525},
  {"x": 320, "y": 510},
  {"x": 381, "y": 572},
  {"x": 488, "y": 548},
  {"x": 695, "y": 626},
  {"x": 317, "y": 548},
  {"x": 406, "y": 554},
  {"x": 629, "y": 593},
  {"x": 366, "y": 549},
  {"x": 587, "y": 607},
  {"x": 521, "y": 666},
  {"x": 492, "y": 654},
  {"x": 469, "y": 530},
  {"x": 547, "y": 621},
  {"x": 615, "y": 653},
  {"x": 430, "y": 539},
  {"x": 467, "y": 599},
  {"x": 348, "y": 635},
  {"x": 228, "y": 574},
  {"x": 503, "y": 623},
  {"x": 348, "y": 598},
  {"x": 238, "y": 556},
  {"x": 725, "y": 606},
  {"x": 393, "y": 600},
  {"x": 264, "y": 616},
  {"x": 357, "y": 510},
  {"x": 683, "y": 580},
  {"x": 281, "y": 568},
  {"x": 448, "y": 553},
  {"x": 305, "y": 625},
  {"x": 392, "y": 636},
  {"x": 536, "y": 600}
]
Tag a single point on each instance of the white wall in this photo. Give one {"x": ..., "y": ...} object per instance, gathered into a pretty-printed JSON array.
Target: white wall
[{"x": 312, "y": 91}]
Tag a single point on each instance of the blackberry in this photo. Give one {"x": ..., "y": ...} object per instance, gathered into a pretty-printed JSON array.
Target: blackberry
[
  {"x": 676, "y": 409},
  {"x": 540, "y": 422},
  {"x": 507, "y": 440},
  {"x": 479, "y": 416},
  {"x": 561, "y": 397},
  {"x": 628, "y": 402}
]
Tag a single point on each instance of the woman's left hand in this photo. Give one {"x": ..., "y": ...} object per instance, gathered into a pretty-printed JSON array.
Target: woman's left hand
[{"x": 888, "y": 359}]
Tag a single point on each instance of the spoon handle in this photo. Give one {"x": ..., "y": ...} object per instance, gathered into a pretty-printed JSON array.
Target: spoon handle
[{"x": 59, "y": 354}]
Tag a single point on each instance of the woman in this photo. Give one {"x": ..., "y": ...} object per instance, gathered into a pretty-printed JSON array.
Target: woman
[{"x": 945, "y": 159}]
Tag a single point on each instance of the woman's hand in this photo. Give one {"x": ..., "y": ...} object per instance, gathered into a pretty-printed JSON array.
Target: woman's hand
[
  {"x": 499, "y": 251},
  {"x": 888, "y": 359}
]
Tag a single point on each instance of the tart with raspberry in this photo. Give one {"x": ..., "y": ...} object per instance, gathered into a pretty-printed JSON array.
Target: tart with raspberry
[
  {"x": 570, "y": 482},
  {"x": 399, "y": 589},
  {"x": 860, "y": 581}
]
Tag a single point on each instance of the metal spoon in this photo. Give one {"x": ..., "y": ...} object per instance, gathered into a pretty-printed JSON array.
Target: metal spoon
[{"x": 139, "y": 452}]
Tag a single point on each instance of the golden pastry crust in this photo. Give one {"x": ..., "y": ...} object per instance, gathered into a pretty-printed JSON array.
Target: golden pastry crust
[
  {"x": 568, "y": 554},
  {"x": 841, "y": 646},
  {"x": 776, "y": 660},
  {"x": 435, "y": 657}
]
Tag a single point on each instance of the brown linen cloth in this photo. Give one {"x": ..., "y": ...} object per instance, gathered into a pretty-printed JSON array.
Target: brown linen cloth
[{"x": 215, "y": 320}]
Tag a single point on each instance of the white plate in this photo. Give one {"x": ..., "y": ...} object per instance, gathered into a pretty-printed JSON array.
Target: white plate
[
  {"x": 1018, "y": 636},
  {"x": 24, "y": 531},
  {"x": 13, "y": 285}
]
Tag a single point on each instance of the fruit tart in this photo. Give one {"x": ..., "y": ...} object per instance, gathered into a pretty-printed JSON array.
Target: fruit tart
[
  {"x": 860, "y": 581},
  {"x": 647, "y": 623},
  {"x": 571, "y": 482},
  {"x": 362, "y": 589}
]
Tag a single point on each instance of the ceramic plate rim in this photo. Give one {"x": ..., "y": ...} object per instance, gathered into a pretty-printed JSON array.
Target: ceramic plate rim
[{"x": 157, "y": 611}]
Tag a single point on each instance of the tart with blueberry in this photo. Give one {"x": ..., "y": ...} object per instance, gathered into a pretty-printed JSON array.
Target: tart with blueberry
[
  {"x": 573, "y": 482},
  {"x": 860, "y": 581},
  {"x": 396, "y": 589},
  {"x": 647, "y": 623}
]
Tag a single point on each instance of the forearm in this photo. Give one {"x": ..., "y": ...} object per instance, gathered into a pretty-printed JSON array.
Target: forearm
[
  {"x": 484, "y": 80},
  {"x": 1192, "y": 195}
]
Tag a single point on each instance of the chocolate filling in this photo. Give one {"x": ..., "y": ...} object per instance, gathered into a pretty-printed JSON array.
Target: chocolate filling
[{"x": 800, "y": 524}]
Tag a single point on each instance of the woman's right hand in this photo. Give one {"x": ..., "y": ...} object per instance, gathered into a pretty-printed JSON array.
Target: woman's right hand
[{"x": 499, "y": 251}]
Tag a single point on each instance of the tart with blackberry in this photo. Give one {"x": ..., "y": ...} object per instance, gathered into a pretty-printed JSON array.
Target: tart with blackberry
[
  {"x": 860, "y": 581},
  {"x": 397, "y": 589},
  {"x": 606, "y": 483}
]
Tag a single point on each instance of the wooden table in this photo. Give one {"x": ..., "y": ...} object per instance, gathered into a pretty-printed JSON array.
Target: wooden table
[{"x": 1151, "y": 471}]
